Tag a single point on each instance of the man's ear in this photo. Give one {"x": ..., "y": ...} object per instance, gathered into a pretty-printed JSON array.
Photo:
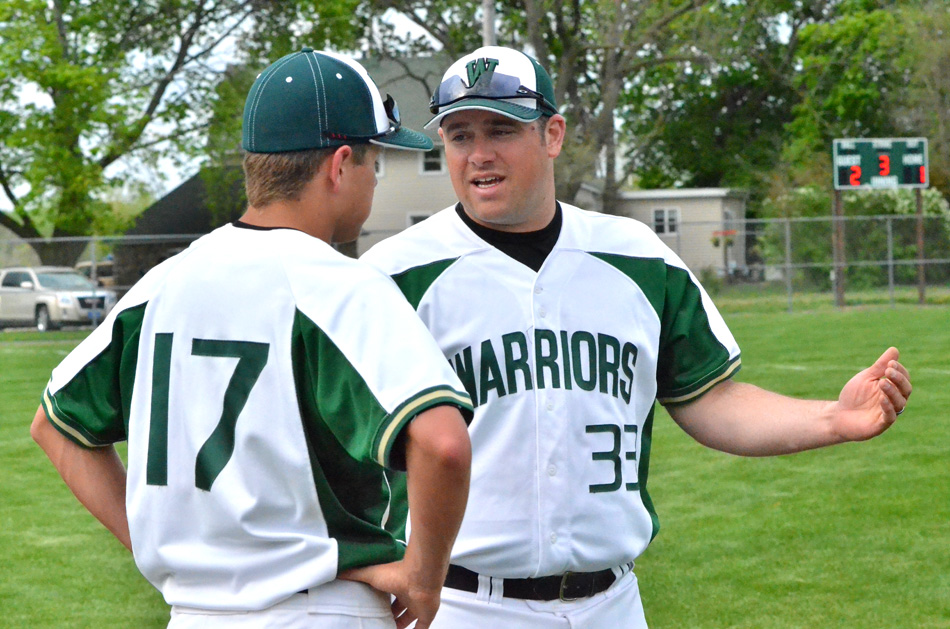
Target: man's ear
[
  {"x": 335, "y": 166},
  {"x": 554, "y": 134}
]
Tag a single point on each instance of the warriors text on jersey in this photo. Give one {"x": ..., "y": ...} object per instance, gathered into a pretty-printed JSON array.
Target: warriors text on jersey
[
  {"x": 260, "y": 409},
  {"x": 564, "y": 366}
]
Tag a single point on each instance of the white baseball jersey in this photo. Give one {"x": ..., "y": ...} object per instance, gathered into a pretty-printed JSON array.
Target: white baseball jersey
[
  {"x": 260, "y": 379},
  {"x": 564, "y": 367}
]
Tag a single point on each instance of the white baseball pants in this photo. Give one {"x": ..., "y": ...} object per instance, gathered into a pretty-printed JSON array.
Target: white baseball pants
[
  {"x": 618, "y": 607},
  {"x": 334, "y": 605}
]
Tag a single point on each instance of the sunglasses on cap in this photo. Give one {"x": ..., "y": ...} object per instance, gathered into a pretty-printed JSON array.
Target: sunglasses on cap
[
  {"x": 392, "y": 114},
  {"x": 490, "y": 85}
]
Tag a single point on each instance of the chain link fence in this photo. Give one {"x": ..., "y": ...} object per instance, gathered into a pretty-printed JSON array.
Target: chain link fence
[
  {"x": 886, "y": 259},
  {"x": 786, "y": 262}
]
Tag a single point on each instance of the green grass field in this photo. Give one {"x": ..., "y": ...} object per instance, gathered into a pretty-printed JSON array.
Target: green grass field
[{"x": 855, "y": 536}]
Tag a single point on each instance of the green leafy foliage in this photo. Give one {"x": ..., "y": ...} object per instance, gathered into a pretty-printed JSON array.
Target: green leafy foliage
[
  {"x": 89, "y": 91},
  {"x": 718, "y": 123},
  {"x": 926, "y": 102},
  {"x": 850, "y": 82},
  {"x": 658, "y": 93}
]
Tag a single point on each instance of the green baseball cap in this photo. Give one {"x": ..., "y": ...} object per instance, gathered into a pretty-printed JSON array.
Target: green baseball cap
[
  {"x": 316, "y": 99},
  {"x": 498, "y": 79}
]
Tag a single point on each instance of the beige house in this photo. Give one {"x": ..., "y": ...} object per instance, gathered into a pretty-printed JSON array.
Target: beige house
[
  {"x": 411, "y": 185},
  {"x": 704, "y": 226}
]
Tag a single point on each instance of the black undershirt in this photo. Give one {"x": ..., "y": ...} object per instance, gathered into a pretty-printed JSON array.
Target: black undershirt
[
  {"x": 239, "y": 223},
  {"x": 529, "y": 248},
  {"x": 261, "y": 228}
]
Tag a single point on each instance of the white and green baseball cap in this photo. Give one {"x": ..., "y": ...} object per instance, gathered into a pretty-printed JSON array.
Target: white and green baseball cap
[
  {"x": 314, "y": 99},
  {"x": 498, "y": 79}
]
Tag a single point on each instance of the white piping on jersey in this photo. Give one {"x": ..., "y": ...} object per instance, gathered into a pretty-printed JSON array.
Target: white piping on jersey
[
  {"x": 694, "y": 394},
  {"x": 389, "y": 504},
  {"x": 62, "y": 425}
]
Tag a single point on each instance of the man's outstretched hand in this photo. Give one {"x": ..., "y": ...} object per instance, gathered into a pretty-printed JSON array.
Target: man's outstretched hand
[{"x": 871, "y": 401}]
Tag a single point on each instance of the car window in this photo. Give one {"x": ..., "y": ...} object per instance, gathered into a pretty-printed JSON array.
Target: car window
[
  {"x": 64, "y": 281},
  {"x": 15, "y": 278},
  {"x": 103, "y": 269}
]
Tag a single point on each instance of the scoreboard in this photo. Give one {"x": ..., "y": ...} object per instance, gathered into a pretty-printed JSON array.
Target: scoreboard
[{"x": 880, "y": 163}]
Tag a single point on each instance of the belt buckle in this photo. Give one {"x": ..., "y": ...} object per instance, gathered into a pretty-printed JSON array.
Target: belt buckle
[{"x": 561, "y": 595}]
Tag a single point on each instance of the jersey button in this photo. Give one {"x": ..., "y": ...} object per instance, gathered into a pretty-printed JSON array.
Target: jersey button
[
  {"x": 537, "y": 290},
  {"x": 552, "y": 470},
  {"x": 542, "y": 312},
  {"x": 550, "y": 406},
  {"x": 553, "y": 538}
]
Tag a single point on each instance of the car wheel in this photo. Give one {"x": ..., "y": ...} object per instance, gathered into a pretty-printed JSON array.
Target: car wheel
[{"x": 42, "y": 319}]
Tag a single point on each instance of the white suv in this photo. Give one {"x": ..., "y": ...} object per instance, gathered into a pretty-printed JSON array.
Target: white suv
[{"x": 49, "y": 296}]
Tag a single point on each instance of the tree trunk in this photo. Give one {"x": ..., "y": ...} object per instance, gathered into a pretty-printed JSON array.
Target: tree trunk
[
  {"x": 611, "y": 198},
  {"x": 611, "y": 95}
]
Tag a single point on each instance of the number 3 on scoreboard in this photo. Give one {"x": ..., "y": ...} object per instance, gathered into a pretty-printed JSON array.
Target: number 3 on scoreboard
[{"x": 218, "y": 448}]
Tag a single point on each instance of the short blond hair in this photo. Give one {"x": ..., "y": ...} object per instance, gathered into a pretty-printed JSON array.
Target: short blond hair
[{"x": 273, "y": 177}]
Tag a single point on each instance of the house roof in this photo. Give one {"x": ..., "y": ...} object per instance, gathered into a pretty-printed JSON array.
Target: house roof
[
  {"x": 185, "y": 210},
  {"x": 671, "y": 193}
]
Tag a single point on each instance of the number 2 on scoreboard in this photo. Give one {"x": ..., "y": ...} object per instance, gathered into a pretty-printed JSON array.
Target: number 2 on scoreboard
[{"x": 855, "y": 178}]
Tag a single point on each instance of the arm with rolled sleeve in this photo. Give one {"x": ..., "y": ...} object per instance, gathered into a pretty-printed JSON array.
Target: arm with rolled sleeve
[
  {"x": 743, "y": 419},
  {"x": 96, "y": 476},
  {"x": 438, "y": 466}
]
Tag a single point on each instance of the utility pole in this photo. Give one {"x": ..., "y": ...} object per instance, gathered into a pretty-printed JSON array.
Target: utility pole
[
  {"x": 837, "y": 248},
  {"x": 488, "y": 23},
  {"x": 921, "y": 270}
]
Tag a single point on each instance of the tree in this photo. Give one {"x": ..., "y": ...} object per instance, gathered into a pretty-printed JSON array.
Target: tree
[
  {"x": 851, "y": 83},
  {"x": 925, "y": 106},
  {"x": 119, "y": 81},
  {"x": 877, "y": 69},
  {"x": 594, "y": 49},
  {"x": 784, "y": 78},
  {"x": 721, "y": 123}
]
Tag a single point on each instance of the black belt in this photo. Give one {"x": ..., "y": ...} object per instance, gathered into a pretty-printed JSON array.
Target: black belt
[{"x": 569, "y": 586}]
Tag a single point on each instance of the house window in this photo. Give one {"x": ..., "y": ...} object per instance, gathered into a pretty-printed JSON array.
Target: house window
[
  {"x": 415, "y": 217},
  {"x": 432, "y": 162},
  {"x": 381, "y": 165},
  {"x": 728, "y": 219},
  {"x": 666, "y": 220}
]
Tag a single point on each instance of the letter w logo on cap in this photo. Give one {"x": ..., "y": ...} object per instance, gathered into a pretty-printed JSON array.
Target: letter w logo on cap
[{"x": 477, "y": 67}]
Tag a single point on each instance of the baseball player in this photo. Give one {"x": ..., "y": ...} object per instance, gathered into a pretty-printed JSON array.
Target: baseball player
[
  {"x": 566, "y": 327},
  {"x": 265, "y": 383}
]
